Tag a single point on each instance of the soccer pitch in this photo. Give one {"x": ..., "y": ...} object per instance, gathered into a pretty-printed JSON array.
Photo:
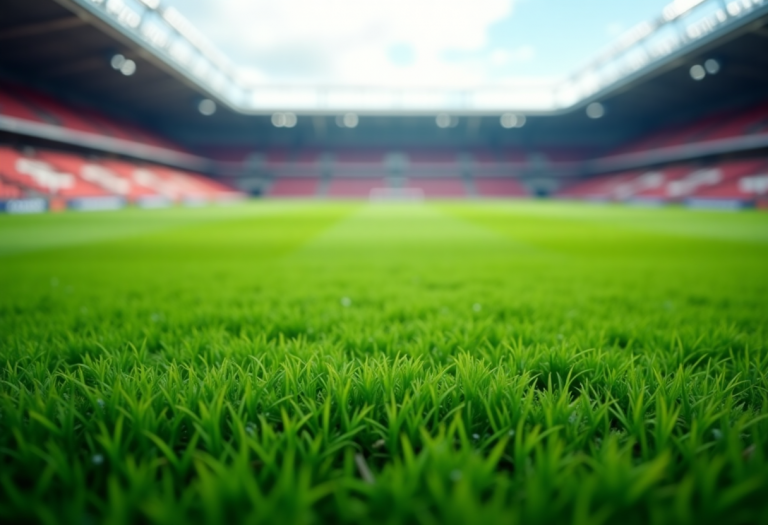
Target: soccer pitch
[{"x": 278, "y": 362}]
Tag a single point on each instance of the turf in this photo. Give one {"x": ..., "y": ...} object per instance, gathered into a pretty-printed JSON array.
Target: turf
[{"x": 353, "y": 363}]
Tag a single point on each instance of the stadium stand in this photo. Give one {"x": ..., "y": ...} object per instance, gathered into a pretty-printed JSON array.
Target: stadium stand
[
  {"x": 732, "y": 183},
  {"x": 438, "y": 187},
  {"x": 497, "y": 187},
  {"x": 26, "y": 104},
  {"x": 9, "y": 191},
  {"x": 294, "y": 187},
  {"x": 722, "y": 125},
  {"x": 101, "y": 184},
  {"x": 664, "y": 184},
  {"x": 169, "y": 183},
  {"x": 602, "y": 188},
  {"x": 677, "y": 146},
  {"x": 10, "y": 107},
  {"x": 345, "y": 187},
  {"x": 41, "y": 178},
  {"x": 425, "y": 163},
  {"x": 743, "y": 183}
]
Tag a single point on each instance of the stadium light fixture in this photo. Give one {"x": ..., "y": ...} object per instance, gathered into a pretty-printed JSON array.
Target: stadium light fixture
[
  {"x": 117, "y": 61},
  {"x": 510, "y": 120},
  {"x": 595, "y": 110},
  {"x": 444, "y": 120},
  {"x": 278, "y": 120},
  {"x": 697, "y": 72},
  {"x": 126, "y": 66},
  {"x": 712, "y": 66},
  {"x": 284, "y": 120},
  {"x": 129, "y": 68},
  {"x": 207, "y": 107},
  {"x": 348, "y": 120}
]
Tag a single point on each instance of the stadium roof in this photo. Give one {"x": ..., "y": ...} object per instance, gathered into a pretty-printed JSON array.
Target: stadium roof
[
  {"x": 165, "y": 36},
  {"x": 70, "y": 49},
  {"x": 168, "y": 42}
]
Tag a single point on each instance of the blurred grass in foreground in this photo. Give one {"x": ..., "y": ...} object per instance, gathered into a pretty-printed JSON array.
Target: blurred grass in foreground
[{"x": 345, "y": 362}]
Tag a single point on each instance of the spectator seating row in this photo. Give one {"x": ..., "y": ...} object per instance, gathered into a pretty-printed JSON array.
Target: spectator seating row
[
  {"x": 371, "y": 162},
  {"x": 353, "y": 174},
  {"x": 27, "y": 104},
  {"x": 722, "y": 125},
  {"x": 70, "y": 177},
  {"x": 732, "y": 183},
  {"x": 430, "y": 187}
]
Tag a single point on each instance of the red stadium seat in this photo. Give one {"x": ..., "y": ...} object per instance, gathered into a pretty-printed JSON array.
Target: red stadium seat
[
  {"x": 604, "y": 188},
  {"x": 439, "y": 187},
  {"x": 294, "y": 187},
  {"x": 666, "y": 184},
  {"x": 354, "y": 187},
  {"x": 9, "y": 191},
  {"x": 742, "y": 181},
  {"x": 109, "y": 179},
  {"x": 42, "y": 177},
  {"x": 59, "y": 112},
  {"x": 12, "y": 107},
  {"x": 741, "y": 124},
  {"x": 499, "y": 187}
]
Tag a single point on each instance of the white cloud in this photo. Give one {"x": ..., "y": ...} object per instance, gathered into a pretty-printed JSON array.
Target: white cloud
[
  {"x": 505, "y": 57},
  {"x": 351, "y": 41}
]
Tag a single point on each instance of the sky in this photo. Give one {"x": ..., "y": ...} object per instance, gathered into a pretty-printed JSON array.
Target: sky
[{"x": 412, "y": 42}]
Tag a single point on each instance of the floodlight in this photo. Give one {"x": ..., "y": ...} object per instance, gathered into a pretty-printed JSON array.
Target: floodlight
[
  {"x": 351, "y": 120},
  {"x": 510, "y": 120},
  {"x": 443, "y": 120},
  {"x": 697, "y": 72},
  {"x": 207, "y": 107},
  {"x": 117, "y": 61},
  {"x": 595, "y": 110},
  {"x": 128, "y": 68},
  {"x": 348, "y": 120},
  {"x": 712, "y": 66},
  {"x": 278, "y": 120}
]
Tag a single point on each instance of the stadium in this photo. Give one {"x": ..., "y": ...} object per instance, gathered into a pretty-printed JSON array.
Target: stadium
[{"x": 426, "y": 288}]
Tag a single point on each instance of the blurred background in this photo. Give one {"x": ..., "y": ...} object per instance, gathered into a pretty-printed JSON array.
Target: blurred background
[{"x": 113, "y": 103}]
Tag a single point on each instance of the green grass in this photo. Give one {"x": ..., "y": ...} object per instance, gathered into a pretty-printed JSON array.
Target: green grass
[{"x": 351, "y": 363}]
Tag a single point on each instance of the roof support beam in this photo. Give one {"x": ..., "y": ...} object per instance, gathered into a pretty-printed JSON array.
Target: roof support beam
[{"x": 38, "y": 28}]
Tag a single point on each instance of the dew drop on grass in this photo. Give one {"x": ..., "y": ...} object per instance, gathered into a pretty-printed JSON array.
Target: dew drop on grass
[
  {"x": 475, "y": 436},
  {"x": 100, "y": 402},
  {"x": 455, "y": 475},
  {"x": 477, "y": 307},
  {"x": 717, "y": 434},
  {"x": 346, "y": 302},
  {"x": 97, "y": 459},
  {"x": 54, "y": 282}
]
